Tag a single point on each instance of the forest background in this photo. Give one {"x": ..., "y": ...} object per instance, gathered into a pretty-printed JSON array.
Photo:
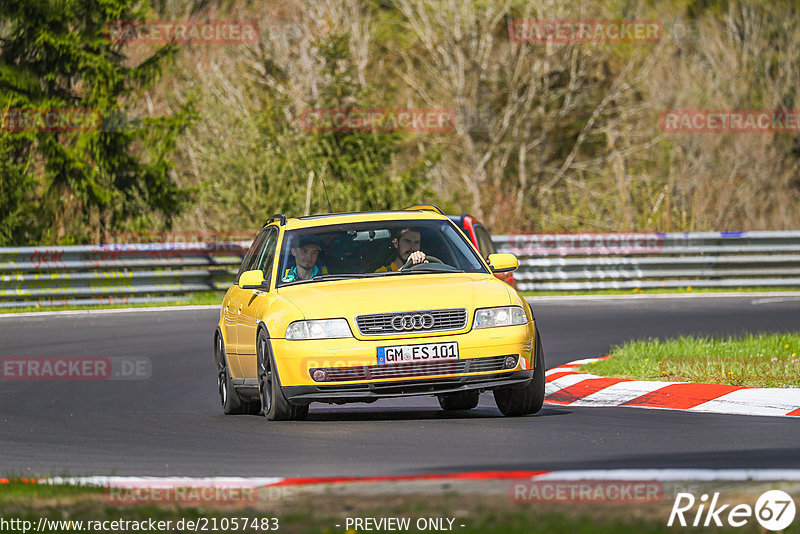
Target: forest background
[{"x": 548, "y": 137}]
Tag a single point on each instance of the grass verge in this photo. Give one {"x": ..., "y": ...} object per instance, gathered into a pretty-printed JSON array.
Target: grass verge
[
  {"x": 327, "y": 509},
  {"x": 763, "y": 360}
]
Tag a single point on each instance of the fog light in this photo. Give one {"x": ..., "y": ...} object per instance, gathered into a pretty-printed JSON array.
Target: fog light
[
  {"x": 510, "y": 363},
  {"x": 319, "y": 375}
]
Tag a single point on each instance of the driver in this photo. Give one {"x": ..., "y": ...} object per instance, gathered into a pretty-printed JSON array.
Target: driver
[
  {"x": 406, "y": 244},
  {"x": 305, "y": 256}
]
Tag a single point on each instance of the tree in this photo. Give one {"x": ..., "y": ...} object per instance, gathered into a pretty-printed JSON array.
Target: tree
[
  {"x": 253, "y": 155},
  {"x": 79, "y": 183}
]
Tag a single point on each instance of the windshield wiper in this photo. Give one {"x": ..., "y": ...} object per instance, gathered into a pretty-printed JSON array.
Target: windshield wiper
[
  {"x": 426, "y": 271},
  {"x": 323, "y": 277},
  {"x": 340, "y": 276}
]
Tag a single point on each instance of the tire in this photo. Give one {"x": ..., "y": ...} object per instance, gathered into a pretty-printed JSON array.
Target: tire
[
  {"x": 463, "y": 400},
  {"x": 528, "y": 399},
  {"x": 232, "y": 402},
  {"x": 273, "y": 403}
]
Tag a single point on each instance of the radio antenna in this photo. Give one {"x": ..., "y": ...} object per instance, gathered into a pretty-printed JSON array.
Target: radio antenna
[{"x": 330, "y": 210}]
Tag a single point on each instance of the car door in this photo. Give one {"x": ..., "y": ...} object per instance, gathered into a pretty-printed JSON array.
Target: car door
[
  {"x": 232, "y": 307},
  {"x": 228, "y": 307},
  {"x": 251, "y": 305}
]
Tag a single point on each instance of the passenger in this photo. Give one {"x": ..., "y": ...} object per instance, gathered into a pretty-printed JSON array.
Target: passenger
[
  {"x": 406, "y": 244},
  {"x": 305, "y": 256}
]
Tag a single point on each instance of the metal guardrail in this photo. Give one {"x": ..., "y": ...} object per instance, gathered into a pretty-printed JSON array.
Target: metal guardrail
[
  {"x": 147, "y": 272},
  {"x": 114, "y": 273},
  {"x": 568, "y": 262}
]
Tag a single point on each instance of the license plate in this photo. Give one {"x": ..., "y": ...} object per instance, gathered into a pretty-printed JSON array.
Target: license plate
[{"x": 430, "y": 352}]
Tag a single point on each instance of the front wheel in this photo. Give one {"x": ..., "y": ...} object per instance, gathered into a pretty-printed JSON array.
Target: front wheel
[
  {"x": 273, "y": 402},
  {"x": 232, "y": 402},
  {"x": 528, "y": 399}
]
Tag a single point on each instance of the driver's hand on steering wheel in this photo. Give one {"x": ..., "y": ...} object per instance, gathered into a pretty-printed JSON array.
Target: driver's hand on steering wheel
[{"x": 417, "y": 257}]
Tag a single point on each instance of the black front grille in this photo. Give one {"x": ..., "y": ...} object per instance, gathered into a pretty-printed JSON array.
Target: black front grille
[
  {"x": 381, "y": 323},
  {"x": 413, "y": 369},
  {"x": 405, "y": 369}
]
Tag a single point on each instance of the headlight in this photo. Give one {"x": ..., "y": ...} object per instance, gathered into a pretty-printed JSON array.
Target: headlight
[
  {"x": 321, "y": 329},
  {"x": 505, "y": 316}
]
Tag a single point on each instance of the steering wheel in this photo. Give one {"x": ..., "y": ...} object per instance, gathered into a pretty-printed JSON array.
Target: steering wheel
[{"x": 430, "y": 259}]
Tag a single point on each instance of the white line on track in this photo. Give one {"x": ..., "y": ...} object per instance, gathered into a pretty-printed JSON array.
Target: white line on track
[
  {"x": 621, "y": 393},
  {"x": 565, "y": 382},
  {"x": 662, "y": 475},
  {"x": 124, "y": 482},
  {"x": 665, "y": 475},
  {"x": 755, "y": 401}
]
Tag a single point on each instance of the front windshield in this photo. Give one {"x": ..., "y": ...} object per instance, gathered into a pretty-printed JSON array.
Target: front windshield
[{"x": 374, "y": 249}]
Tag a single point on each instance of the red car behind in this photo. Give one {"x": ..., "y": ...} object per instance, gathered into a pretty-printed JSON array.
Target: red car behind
[{"x": 482, "y": 239}]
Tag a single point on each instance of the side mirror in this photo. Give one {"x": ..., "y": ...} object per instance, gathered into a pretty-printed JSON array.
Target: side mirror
[
  {"x": 503, "y": 263},
  {"x": 252, "y": 280}
]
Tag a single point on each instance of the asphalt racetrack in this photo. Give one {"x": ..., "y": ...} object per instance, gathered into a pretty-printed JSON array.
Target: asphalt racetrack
[{"x": 171, "y": 424}]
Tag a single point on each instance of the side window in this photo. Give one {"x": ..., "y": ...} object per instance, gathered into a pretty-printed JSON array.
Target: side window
[
  {"x": 255, "y": 251},
  {"x": 267, "y": 256},
  {"x": 485, "y": 244}
]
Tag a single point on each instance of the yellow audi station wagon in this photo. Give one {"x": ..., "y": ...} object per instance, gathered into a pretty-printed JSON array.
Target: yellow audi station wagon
[{"x": 356, "y": 307}]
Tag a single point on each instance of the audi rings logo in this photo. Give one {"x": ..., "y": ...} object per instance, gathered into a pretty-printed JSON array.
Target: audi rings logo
[{"x": 417, "y": 321}]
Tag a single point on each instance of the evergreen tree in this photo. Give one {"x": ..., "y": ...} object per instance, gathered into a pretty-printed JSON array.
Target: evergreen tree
[{"x": 80, "y": 183}]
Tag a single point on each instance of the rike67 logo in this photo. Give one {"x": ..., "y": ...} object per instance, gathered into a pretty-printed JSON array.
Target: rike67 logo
[{"x": 774, "y": 510}]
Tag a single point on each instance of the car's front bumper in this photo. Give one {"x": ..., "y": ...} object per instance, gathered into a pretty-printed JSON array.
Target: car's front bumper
[
  {"x": 371, "y": 391},
  {"x": 354, "y": 373}
]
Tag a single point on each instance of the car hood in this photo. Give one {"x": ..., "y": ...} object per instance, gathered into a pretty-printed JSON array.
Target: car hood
[{"x": 348, "y": 298}]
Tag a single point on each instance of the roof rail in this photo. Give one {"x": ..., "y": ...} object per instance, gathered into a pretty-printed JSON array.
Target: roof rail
[
  {"x": 425, "y": 207},
  {"x": 280, "y": 216}
]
